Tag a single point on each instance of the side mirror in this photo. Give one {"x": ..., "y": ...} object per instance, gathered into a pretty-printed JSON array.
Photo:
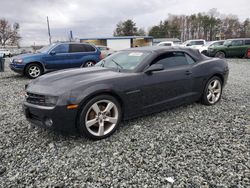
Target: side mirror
[
  {"x": 52, "y": 52},
  {"x": 229, "y": 45},
  {"x": 189, "y": 45},
  {"x": 154, "y": 67}
]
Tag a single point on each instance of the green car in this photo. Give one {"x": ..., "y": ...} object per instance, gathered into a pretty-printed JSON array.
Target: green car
[{"x": 231, "y": 48}]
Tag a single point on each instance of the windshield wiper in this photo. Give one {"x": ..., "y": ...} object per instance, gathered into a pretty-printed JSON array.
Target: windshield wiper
[{"x": 118, "y": 65}]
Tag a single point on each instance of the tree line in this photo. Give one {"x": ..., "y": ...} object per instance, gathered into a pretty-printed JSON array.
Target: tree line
[
  {"x": 209, "y": 26},
  {"x": 9, "y": 34}
]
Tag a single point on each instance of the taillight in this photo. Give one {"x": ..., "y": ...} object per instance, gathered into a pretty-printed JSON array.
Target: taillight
[{"x": 101, "y": 56}]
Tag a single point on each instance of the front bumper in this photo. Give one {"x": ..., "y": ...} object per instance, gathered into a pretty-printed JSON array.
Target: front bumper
[
  {"x": 17, "y": 68},
  {"x": 63, "y": 119}
]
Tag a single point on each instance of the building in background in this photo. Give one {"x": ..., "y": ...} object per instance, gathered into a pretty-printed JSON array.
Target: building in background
[
  {"x": 174, "y": 40},
  {"x": 120, "y": 43}
]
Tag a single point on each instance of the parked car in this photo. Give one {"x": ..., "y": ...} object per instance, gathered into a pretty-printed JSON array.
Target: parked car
[
  {"x": 5, "y": 52},
  {"x": 203, "y": 49},
  {"x": 106, "y": 51},
  {"x": 166, "y": 43},
  {"x": 194, "y": 43},
  {"x": 55, "y": 57},
  {"x": 126, "y": 84},
  {"x": 231, "y": 48}
]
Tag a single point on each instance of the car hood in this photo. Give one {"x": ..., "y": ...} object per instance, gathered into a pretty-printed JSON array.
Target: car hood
[
  {"x": 29, "y": 55},
  {"x": 60, "y": 82}
]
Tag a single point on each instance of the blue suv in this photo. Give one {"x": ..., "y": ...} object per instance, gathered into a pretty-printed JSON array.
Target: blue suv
[{"x": 55, "y": 57}]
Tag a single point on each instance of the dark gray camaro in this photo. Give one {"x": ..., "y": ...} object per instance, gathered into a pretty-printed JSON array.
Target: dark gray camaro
[{"x": 127, "y": 84}]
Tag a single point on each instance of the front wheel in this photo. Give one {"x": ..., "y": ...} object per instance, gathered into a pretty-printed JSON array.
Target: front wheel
[
  {"x": 213, "y": 91},
  {"x": 33, "y": 71},
  {"x": 100, "y": 117},
  {"x": 221, "y": 55}
]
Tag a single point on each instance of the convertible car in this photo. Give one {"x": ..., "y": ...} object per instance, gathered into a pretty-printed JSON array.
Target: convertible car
[{"x": 127, "y": 84}]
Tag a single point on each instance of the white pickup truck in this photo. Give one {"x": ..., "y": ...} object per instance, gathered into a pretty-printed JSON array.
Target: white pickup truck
[{"x": 5, "y": 52}]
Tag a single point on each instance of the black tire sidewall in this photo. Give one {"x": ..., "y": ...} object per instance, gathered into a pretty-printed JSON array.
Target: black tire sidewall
[
  {"x": 27, "y": 70},
  {"x": 204, "y": 95},
  {"x": 85, "y": 107}
]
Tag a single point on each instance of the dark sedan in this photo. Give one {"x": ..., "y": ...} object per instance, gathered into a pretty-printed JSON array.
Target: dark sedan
[{"x": 127, "y": 84}]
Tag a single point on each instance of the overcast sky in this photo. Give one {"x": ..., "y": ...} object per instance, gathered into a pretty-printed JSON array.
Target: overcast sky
[{"x": 98, "y": 18}]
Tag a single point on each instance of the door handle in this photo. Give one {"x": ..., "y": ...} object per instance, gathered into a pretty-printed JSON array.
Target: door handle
[{"x": 188, "y": 72}]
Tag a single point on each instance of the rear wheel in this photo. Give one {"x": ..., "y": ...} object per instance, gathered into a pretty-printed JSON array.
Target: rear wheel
[
  {"x": 88, "y": 64},
  {"x": 100, "y": 117},
  {"x": 33, "y": 70},
  {"x": 220, "y": 55},
  {"x": 213, "y": 91}
]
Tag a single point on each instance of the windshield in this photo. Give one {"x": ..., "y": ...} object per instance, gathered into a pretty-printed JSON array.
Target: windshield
[
  {"x": 124, "y": 60},
  {"x": 45, "y": 49},
  {"x": 227, "y": 42},
  {"x": 208, "y": 43},
  {"x": 185, "y": 43}
]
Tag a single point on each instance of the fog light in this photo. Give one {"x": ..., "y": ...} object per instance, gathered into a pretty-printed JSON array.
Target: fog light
[{"x": 48, "y": 122}]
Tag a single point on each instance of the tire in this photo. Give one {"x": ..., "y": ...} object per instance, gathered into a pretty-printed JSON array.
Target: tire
[
  {"x": 33, "y": 70},
  {"x": 88, "y": 64},
  {"x": 221, "y": 55},
  {"x": 96, "y": 121},
  {"x": 212, "y": 92},
  {"x": 204, "y": 52}
]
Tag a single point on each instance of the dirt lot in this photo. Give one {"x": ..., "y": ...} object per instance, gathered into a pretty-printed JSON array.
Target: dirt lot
[{"x": 195, "y": 145}]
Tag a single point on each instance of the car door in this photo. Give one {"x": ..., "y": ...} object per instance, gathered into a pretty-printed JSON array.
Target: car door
[
  {"x": 171, "y": 86},
  {"x": 81, "y": 53},
  {"x": 57, "y": 58},
  {"x": 236, "y": 49}
]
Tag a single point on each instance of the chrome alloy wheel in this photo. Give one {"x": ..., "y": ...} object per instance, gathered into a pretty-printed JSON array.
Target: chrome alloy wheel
[
  {"x": 34, "y": 71},
  {"x": 101, "y": 118},
  {"x": 214, "y": 91},
  {"x": 89, "y": 64}
]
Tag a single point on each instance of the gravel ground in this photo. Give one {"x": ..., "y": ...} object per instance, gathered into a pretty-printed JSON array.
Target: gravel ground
[{"x": 194, "y": 145}]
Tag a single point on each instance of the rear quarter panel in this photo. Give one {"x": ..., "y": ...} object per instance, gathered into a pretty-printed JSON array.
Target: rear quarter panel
[{"x": 204, "y": 70}]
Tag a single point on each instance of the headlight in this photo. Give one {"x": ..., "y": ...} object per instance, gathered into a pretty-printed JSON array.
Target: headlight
[
  {"x": 50, "y": 100},
  {"x": 18, "y": 61}
]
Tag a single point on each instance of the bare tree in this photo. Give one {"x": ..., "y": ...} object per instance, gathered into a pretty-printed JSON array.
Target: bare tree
[{"x": 9, "y": 34}]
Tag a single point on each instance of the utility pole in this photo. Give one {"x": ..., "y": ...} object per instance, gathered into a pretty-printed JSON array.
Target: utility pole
[
  {"x": 71, "y": 35},
  {"x": 48, "y": 30}
]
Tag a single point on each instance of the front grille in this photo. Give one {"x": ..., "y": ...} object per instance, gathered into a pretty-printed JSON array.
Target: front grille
[{"x": 35, "y": 99}]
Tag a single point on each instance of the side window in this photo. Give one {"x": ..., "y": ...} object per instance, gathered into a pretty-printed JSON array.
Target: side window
[
  {"x": 61, "y": 48},
  {"x": 247, "y": 42},
  {"x": 190, "y": 60},
  {"x": 191, "y": 43},
  {"x": 199, "y": 42},
  {"x": 167, "y": 44},
  {"x": 74, "y": 48},
  {"x": 88, "y": 48},
  {"x": 237, "y": 43},
  {"x": 173, "y": 59}
]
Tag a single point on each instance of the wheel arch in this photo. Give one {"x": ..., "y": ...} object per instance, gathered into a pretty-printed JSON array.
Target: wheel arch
[
  {"x": 218, "y": 75},
  {"x": 97, "y": 93},
  {"x": 34, "y": 62},
  {"x": 223, "y": 52}
]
